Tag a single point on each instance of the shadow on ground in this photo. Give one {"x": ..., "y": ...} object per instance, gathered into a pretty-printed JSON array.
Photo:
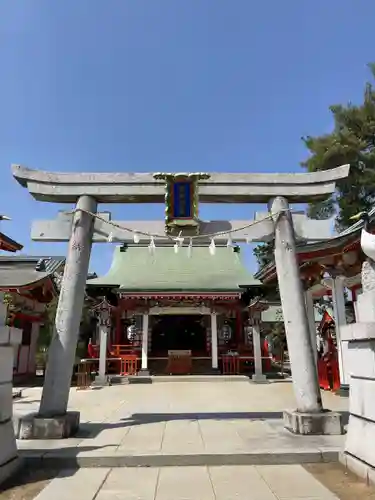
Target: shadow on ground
[
  {"x": 41, "y": 465},
  {"x": 92, "y": 429},
  {"x": 28, "y": 482}
]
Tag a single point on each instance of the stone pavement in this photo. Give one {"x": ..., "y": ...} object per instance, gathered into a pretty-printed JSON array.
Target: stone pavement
[
  {"x": 182, "y": 424},
  {"x": 277, "y": 482}
]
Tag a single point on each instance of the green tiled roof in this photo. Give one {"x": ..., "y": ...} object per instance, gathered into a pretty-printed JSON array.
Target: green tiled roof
[{"x": 136, "y": 268}]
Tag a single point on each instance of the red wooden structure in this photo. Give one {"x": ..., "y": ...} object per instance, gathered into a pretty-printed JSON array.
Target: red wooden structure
[{"x": 328, "y": 367}]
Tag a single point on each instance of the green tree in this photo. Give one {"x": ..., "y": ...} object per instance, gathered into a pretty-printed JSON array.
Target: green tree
[
  {"x": 46, "y": 331},
  {"x": 264, "y": 253},
  {"x": 352, "y": 141},
  {"x": 278, "y": 339}
]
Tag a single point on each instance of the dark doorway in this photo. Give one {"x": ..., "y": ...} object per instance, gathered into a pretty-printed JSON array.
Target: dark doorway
[{"x": 178, "y": 333}]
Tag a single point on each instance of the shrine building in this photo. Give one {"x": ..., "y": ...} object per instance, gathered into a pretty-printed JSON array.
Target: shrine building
[
  {"x": 27, "y": 285},
  {"x": 187, "y": 301}
]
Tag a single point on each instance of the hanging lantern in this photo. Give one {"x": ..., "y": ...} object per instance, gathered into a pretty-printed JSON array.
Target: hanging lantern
[
  {"x": 249, "y": 331},
  {"x": 226, "y": 332},
  {"x": 131, "y": 331},
  {"x": 103, "y": 312}
]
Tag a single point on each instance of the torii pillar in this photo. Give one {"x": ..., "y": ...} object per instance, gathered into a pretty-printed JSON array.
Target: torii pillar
[
  {"x": 53, "y": 419},
  {"x": 309, "y": 416}
]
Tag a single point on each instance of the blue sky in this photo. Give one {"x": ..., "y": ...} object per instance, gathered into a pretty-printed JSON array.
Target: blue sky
[{"x": 169, "y": 85}]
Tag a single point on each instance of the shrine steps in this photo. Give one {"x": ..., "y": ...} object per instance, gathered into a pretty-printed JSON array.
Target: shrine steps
[
  {"x": 199, "y": 367},
  {"x": 73, "y": 459},
  {"x": 154, "y": 379}
]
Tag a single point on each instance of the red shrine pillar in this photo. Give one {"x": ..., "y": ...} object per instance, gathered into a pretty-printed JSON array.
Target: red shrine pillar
[
  {"x": 239, "y": 328},
  {"x": 118, "y": 326}
]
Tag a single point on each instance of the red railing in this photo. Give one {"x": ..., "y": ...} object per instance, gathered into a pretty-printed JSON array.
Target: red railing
[
  {"x": 230, "y": 364},
  {"x": 129, "y": 364}
]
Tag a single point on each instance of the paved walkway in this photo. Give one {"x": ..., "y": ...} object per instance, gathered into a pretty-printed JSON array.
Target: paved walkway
[
  {"x": 168, "y": 424},
  {"x": 183, "y": 441},
  {"x": 278, "y": 482}
]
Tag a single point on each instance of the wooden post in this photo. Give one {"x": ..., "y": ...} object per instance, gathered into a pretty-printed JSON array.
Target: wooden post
[
  {"x": 214, "y": 346},
  {"x": 144, "y": 361},
  {"x": 310, "y": 311},
  {"x": 338, "y": 296},
  {"x": 239, "y": 328},
  {"x": 258, "y": 375},
  {"x": 118, "y": 325}
]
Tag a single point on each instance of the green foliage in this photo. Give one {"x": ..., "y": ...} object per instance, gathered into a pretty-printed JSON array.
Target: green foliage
[
  {"x": 278, "y": 330},
  {"x": 278, "y": 339},
  {"x": 46, "y": 331},
  {"x": 352, "y": 141},
  {"x": 278, "y": 336},
  {"x": 11, "y": 302},
  {"x": 264, "y": 253}
]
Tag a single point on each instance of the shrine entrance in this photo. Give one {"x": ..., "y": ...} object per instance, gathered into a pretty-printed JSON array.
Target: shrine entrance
[
  {"x": 172, "y": 332},
  {"x": 183, "y": 232}
]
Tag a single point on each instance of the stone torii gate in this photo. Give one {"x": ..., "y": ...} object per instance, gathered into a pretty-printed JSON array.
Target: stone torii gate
[{"x": 87, "y": 190}]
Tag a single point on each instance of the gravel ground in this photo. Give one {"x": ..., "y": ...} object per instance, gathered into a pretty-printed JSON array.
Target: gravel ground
[
  {"x": 341, "y": 482},
  {"x": 27, "y": 484}
]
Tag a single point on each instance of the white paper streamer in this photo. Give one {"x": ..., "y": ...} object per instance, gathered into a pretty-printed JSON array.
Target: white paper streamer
[
  {"x": 190, "y": 248},
  {"x": 179, "y": 239},
  {"x": 110, "y": 238},
  {"x": 212, "y": 247},
  {"x": 136, "y": 238},
  {"x": 152, "y": 246}
]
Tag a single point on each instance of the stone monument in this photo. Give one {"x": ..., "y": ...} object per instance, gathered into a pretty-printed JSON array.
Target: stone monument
[
  {"x": 359, "y": 452},
  {"x": 9, "y": 337},
  {"x": 86, "y": 226}
]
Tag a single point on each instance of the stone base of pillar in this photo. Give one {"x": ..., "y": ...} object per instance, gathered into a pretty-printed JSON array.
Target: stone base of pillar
[
  {"x": 144, "y": 372},
  {"x": 259, "y": 378},
  {"x": 343, "y": 391},
  {"x": 33, "y": 426},
  {"x": 100, "y": 381},
  {"x": 324, "y": 423}
]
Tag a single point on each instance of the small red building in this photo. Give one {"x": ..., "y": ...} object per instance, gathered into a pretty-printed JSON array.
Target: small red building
[{"x": 27, "y": 285}]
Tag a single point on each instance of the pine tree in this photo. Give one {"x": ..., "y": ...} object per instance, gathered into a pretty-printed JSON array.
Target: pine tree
[
  {"x": 352, "y": 141},
  {"x": 264, "y": 253}
]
